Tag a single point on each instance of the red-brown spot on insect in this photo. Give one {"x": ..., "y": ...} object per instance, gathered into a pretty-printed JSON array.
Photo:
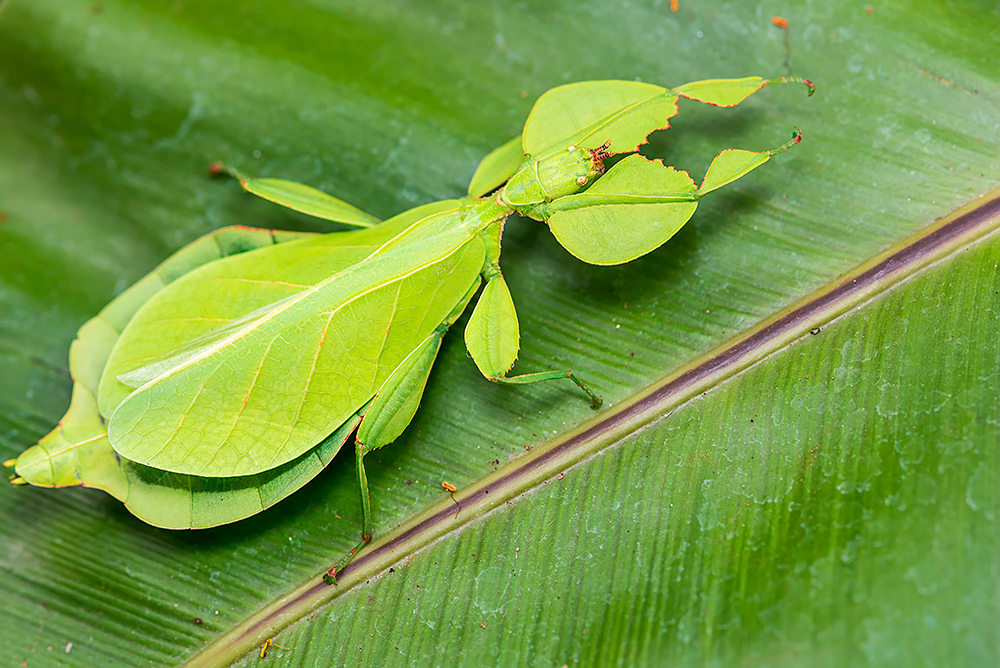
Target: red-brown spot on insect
[{"x": 599, "y": 155}]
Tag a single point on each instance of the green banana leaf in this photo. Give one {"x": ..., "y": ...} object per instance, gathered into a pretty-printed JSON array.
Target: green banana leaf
[{"x": 797, "y": 463}]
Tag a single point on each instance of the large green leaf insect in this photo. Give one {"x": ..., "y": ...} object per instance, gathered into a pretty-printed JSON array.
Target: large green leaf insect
[{"x": 231, "y": 375}]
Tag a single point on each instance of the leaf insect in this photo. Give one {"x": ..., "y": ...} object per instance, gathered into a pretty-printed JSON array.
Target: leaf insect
[
  {"x": 451, "y": 489},
  {"x": 227, "y": 378},
  {"x": 269, "y": 643}
]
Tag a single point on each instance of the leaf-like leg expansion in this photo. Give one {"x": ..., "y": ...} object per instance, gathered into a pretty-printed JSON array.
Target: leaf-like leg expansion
[
  {"x": 734, "y": 163},
  {"x": 492, "y": 337},
  {"x": 611, "y": 224},
  {"x": 299, "y": 197},
  {"x": 390, "y": 412},
  {"x": 498, "y": 166},
  {"x": 591, "y": 114},
  {"x": 618, "y": 115},
  {"x": 730, "y": 92}
]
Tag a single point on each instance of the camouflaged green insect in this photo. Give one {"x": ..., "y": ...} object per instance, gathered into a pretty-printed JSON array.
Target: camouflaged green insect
[{"x": 247, "y": 359}]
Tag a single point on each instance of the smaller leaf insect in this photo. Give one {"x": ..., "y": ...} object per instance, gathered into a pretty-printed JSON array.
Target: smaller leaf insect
[
  {"x": 231, "y": 375},
  {"x": 451, "y": 489},
  {"x": 269, "y": 643}
]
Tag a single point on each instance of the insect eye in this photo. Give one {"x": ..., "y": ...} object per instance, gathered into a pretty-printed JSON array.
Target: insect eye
[{"x": 581, "y": 181}]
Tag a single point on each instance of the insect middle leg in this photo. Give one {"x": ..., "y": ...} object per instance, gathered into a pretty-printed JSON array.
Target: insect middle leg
[
  {"x": 390, "y": 412},
  {"x": 493, "y": 337}
]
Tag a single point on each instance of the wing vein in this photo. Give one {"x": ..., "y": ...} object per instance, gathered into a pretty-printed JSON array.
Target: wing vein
[
  {"x": 71, "y": 446},
  {"x": 255, "y": 281},
  {"x": 246, "y": 399},
  {"x": 385, "y": 334},
  {"x": 305, "y": 391},
  {"x": 286, "y": 304},
  {"x": 180, "y": 422}
]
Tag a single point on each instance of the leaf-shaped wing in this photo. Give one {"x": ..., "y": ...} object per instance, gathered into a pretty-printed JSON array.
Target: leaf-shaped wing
[
  {"x": 222, "y": 292},
  {"x": 78, "y": 452},
  {"x": 270, "y": 391},
  {"x": 178, "y": 501}
]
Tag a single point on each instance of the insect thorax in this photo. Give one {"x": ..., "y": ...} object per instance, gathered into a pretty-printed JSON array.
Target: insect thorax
[{"x": 556, "y": 173}]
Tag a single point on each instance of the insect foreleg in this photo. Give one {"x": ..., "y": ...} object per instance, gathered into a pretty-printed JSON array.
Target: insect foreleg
[{"x": 730, "y": 92}]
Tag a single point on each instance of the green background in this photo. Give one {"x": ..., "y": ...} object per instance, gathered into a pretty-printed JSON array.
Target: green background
[{"x": 852, "y": 522}]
